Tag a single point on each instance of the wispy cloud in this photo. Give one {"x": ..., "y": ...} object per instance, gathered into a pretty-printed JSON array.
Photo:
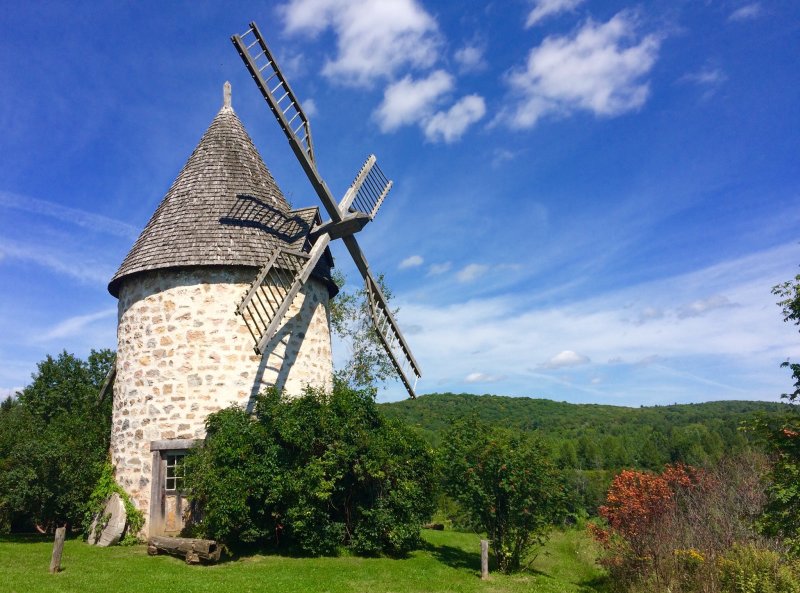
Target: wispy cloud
[
  {"x": 373, "y": 39},
  {"x": 439, "y": 269},
  {"x": 75, "y": 325},
  {"x": 600, "y": 69},
  {"x": 545, "y": 8},
  {"x": 688, "y": 335},
  {"x": 470, "y": 58},
  {"x": 747, "y": 12},
  {"x": 412, "y": 261},
  {"x": 58, "y": 261},
  {"x": 502, "y": 155},
  {"x": 706, "y": 76},
  {"x": 471, "y": 272},
  {"x": 81, "y": 218},
  {"x": 708, "y": 79}
]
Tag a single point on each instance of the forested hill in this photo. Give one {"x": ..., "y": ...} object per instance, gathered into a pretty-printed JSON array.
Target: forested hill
[{"x": 591, "y": 436}]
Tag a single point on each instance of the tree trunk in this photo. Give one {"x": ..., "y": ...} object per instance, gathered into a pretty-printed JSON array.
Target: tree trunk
[{"x": 193, "y": 550}]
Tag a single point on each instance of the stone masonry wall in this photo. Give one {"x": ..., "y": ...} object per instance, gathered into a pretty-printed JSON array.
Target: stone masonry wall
[{"x": 184, "y": 353}]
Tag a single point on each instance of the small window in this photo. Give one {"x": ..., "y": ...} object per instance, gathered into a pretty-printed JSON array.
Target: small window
[{"x": 175, "y": 472}]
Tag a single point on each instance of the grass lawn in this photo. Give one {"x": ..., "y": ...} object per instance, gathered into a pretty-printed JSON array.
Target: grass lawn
[{"x": 449, "y": 561}]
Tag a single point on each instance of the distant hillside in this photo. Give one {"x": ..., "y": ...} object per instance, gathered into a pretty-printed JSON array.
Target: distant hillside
[{"x": 591, "y": 436}]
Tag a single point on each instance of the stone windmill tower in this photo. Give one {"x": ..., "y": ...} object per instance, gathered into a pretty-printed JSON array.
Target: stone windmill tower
[{"x": 183, "y": 352}]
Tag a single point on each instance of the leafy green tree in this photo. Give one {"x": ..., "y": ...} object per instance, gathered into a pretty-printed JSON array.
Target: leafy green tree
[
  {"x": 54, "y": 442},
  {"x": 782, "y": 516},
  {"x": 315, "y": 472},
  {"x": 367, "y": 364},
  {"x": 505, "y": 481}
]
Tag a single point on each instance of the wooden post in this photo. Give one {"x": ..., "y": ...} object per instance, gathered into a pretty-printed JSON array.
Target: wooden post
[
  {"x": 58, "y": 547},
  {"x": 484, "y": 559}
]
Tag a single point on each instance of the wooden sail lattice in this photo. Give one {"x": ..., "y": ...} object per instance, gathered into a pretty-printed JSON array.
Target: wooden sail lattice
[
  {"x": 391, "y": 337},
  {"x": 271, "y": 294},
  {"x": 368, "y": 191},
  {"x": 275, "y": 88}
]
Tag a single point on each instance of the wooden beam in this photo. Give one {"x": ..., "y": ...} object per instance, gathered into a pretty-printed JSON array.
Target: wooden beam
[{"x": 193, "y": 550}]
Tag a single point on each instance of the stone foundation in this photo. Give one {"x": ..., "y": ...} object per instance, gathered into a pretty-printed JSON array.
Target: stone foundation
[{"x": 184, "y": 353}]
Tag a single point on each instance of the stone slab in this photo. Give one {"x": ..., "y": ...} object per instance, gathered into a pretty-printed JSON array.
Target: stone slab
[{"x": 114, "y": 513}]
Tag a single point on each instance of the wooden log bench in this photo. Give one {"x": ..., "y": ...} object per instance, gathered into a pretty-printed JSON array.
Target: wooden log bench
[{"x": 193, "y": 550}]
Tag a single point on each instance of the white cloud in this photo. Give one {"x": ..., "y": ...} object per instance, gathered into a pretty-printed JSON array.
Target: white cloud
[
  {"x": 471, "y": 272},
  {"x": 310, "y": 108},
  {"x": 439, "y": 269},
  {"x": 409, "y": 101},
  {"x": 704, "y": 306},
  {"x": 746, "y": 12},
  {"x": 482, "y": 378},
  {"x": 600, "y": 68},
  {"x": 74, "y": 325},
  {"x": 470, "y": 58},
  {"x": 450, "y": 125},
  {"x": 565, "y": 359},
  {"x": 545, "y": 8},
  {"x": 411, "y": 261},
  {"x": 373, "y": 39}
]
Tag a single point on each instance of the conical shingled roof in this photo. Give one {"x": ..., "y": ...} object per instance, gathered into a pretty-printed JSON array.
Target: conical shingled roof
[{"x": 224, "y": 209}]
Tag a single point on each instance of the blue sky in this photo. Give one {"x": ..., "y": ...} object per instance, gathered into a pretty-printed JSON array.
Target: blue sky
[{"x": 592, "y": 199}]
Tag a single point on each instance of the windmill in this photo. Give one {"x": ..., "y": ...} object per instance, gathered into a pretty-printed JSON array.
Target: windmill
[{"x": 283, "y": 275}]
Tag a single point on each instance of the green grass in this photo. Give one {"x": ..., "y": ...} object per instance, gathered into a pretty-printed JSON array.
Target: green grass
[{"x": 448, "y": 562}]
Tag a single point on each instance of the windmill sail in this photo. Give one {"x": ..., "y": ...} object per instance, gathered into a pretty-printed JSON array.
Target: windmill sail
[
  {"x": 368, "y": 191},
  {"x": 391, "y": 337},
  {"x": 275, "y": 88},
  {"x": 272, "y": 293},
  {"x": 365, "y": 196}
]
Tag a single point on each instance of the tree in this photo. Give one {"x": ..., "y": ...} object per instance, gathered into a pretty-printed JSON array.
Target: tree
[
  {"x": 316, "y": 472},
  {"x": 368, "y": 364},
  {"x": 505, "y": 482},
  {"x": 54, "y": 442},
  {"x": 782, "y": 516}
]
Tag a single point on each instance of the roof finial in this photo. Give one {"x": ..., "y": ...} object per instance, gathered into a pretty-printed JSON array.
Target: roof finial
[{"x": 226, "y": 95}]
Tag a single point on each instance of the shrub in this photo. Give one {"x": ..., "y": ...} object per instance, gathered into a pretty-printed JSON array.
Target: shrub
[
  {"x": 506, "y": 484},
  {"x": 667, "y": 532},
  {"x": 317, "y": 472},
  {"x": 750, "y": 569}
]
